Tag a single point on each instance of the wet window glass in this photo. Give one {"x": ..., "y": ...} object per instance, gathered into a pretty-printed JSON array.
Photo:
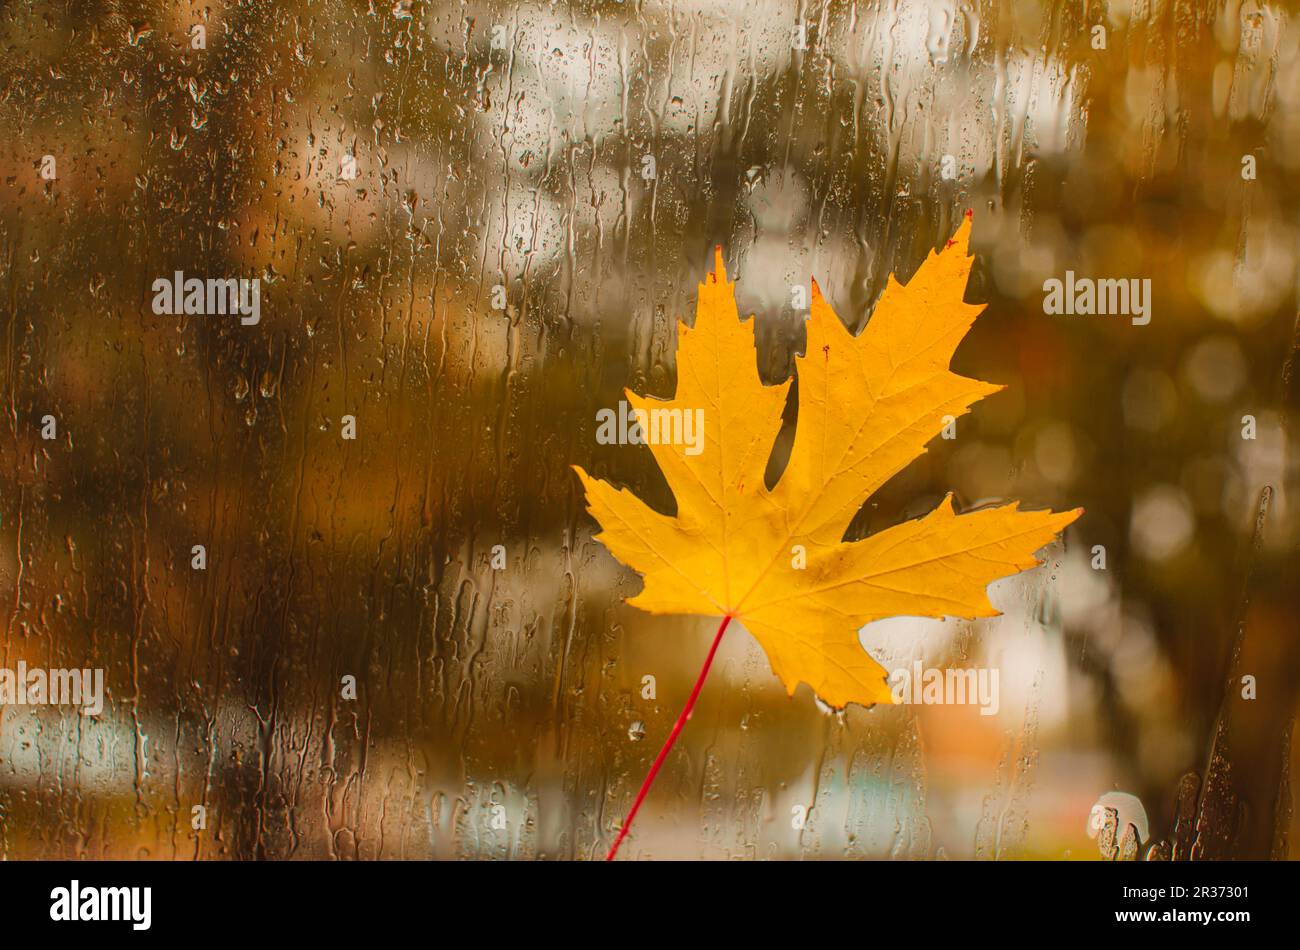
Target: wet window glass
[{"x": 308, "y": 311}]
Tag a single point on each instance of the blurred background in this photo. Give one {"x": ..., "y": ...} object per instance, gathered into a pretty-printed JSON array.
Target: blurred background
[{"x": 474, "y": 224}]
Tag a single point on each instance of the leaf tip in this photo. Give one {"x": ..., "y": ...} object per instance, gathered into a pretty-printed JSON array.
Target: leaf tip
[
  {"x": 719, "y": 275},
  {"x": 961, "y": 238}
]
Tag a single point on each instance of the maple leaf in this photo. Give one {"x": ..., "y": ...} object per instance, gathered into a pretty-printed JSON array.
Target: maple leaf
[
  {"x": 867, "y": 407},
  {"x": 775, "y": 559}
]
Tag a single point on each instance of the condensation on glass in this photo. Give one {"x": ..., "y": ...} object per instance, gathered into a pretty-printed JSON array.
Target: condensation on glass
[{"x": 335, "y": 566}]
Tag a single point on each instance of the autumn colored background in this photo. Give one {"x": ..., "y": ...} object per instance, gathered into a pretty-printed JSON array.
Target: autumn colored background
[{"x": 491, "y": 698}]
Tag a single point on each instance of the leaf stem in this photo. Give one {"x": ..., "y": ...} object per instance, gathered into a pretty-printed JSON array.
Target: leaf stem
[{"x": 672, "y": 737}]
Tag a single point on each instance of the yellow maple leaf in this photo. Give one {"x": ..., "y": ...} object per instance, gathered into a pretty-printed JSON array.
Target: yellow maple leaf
[{"x": 775, "y": 559}]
